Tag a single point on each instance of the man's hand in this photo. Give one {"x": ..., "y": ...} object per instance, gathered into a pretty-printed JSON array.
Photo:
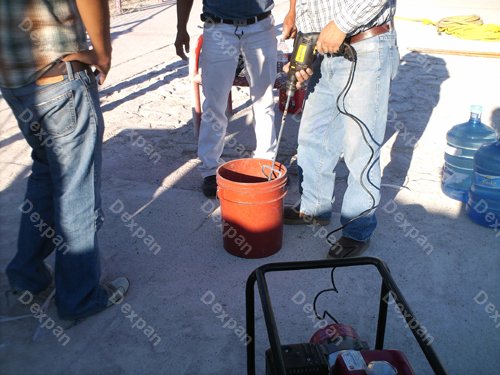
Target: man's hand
[
  {"x": 182, "y": 39},
  {"x": 289, "y": 28},
  {"x": 95, "y": 17},
  {"x": 330, "y": 39},
  {"x": 101, "y": 63},
  {"x": 301, "y": 75},
  {"x": 182, "y": 44}
]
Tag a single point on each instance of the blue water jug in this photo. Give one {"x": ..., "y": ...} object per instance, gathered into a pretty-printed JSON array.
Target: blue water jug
[
  {"x": 483, "y": 205},
  {"x": 463, "y": 140}
]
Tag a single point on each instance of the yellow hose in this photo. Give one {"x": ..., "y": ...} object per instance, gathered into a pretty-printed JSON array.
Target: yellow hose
[{"x": 464, "y": 27}]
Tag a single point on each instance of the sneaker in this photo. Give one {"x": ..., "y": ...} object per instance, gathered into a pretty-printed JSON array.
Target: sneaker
[
  {"x": 209, "y": 186},
  {"x": 16, "y": 303},
  {"x": 347, "y": 248},
  {"x": 293, "y": 216},
  {"x": 116, "y": 290}
]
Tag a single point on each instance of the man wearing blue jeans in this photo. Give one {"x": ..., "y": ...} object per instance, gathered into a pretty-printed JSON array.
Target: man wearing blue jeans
[
  {"x": 46, "y": 79},
  {"x": 232, "y": 28},
  {"x": 329, "y": 129}
]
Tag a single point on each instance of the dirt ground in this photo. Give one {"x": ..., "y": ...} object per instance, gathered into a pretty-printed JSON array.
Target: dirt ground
[{"x": 129, "y": 6}]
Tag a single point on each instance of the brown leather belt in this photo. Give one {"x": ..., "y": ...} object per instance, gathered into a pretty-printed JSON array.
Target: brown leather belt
[
  {"x": 374, "y": 31},
  {"x": 57, "y": 72}
]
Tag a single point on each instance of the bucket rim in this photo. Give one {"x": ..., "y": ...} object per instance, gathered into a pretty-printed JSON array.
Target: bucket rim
[{"x": 277, "y": 180}]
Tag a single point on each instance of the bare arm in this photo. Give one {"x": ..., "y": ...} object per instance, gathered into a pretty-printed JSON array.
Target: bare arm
[
  {"x": 289, "y": 28},
  {"x": 95, "y": 17},
  {"x": 182, "y": 38}
]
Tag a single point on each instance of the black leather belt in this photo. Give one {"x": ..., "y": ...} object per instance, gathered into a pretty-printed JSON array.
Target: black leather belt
[{"x": 207, "y": 17}]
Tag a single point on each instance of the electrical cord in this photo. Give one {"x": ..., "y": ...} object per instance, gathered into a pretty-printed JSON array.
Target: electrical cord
[
  {"x": 325, "y": 312},
  {"x": 350, "y": 54}
]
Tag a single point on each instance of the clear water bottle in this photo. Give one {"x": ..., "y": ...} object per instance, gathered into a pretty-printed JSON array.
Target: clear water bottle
[
  {"x": 463, "y": 140},
  {"x": 283, "y": 58},
  {"x": 483, "y": 205}
]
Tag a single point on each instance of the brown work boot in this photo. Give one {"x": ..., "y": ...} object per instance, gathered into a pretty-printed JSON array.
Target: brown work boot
[
  {"x": 293, "y": 216},
  {"x": 347, "y": 248}
]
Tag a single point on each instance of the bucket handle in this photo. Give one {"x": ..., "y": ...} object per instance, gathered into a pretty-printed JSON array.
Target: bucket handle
[{"x": 271, "y": 170}]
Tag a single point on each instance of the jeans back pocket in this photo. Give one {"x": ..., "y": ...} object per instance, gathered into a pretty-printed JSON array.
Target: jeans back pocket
[{"x": 57, "y": 116}]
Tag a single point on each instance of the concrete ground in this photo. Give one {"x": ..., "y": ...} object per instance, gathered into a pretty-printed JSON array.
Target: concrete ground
[{"x": 446, "y": 266}]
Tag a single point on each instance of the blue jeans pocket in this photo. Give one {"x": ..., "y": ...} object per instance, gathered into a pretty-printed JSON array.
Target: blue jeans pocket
[
  {"x": 88, "y": 80},
  {"x": 58, "y": 115}
]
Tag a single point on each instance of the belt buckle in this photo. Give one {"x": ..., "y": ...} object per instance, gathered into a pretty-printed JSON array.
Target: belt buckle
[{"x": 240, "y": 22}]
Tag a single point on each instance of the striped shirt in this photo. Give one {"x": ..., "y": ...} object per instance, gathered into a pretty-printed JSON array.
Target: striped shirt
[
  {"x": 33, "y": 35},
  {"x": 350, "y": 16}
]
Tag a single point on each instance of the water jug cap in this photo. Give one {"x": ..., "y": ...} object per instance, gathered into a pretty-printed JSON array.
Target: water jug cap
[{"x": 476, "y": 109}]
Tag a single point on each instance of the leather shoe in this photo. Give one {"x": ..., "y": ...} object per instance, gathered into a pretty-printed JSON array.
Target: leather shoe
[
  {"x": 293, "y": 216},
  {"x": 209, "y": 186},
  {"x": 347, "y": 248}
]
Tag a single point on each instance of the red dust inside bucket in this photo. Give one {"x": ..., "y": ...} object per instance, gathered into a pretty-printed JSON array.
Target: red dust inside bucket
[{"x": 251, "y": 207}]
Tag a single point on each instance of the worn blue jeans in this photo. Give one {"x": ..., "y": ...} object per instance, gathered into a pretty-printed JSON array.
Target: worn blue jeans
[
  {"x": 63, "y": 124},
  {"x": 325, "y": 133}
]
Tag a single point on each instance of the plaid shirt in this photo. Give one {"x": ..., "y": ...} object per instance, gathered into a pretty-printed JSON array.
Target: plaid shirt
[
  {"x": 351, "y": 17},
  {"x": 33, "y": 35}
]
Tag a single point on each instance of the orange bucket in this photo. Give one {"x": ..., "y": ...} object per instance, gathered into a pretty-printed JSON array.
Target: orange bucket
[{"x": 251, "y": 207}]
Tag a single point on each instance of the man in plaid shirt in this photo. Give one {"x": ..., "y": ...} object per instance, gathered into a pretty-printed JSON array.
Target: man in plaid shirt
[
  {"x": 356, "y": 125},
  {"x": 46, "y": 79}
]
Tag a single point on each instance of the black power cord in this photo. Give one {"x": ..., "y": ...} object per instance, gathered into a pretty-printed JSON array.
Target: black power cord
[
  {"x": 348, "y": 52},
  {"x": 325, "y": 312}
]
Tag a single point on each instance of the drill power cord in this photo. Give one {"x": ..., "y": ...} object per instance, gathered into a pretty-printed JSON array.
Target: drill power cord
[{"x": 364, "y": 131}]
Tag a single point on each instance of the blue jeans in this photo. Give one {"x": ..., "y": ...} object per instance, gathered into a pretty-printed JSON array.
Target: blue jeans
[
  {"x": 325, "y": 133},
  {"x": 63, "y": 124}
]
